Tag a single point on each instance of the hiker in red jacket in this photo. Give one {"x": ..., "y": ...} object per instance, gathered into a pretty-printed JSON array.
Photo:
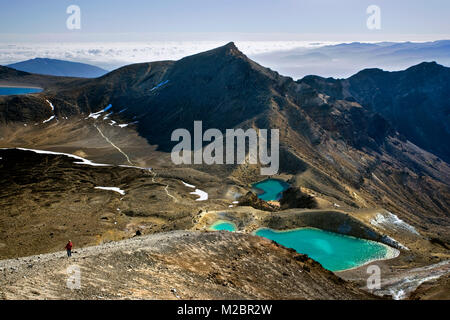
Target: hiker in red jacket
[{"x": 69, "y": 246}]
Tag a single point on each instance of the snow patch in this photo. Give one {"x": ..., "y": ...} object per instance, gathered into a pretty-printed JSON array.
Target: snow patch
[
  {"x": 122, "y": 192},
  {"x": 51, "y": 105},
  {"x": 80, "y": 159},
  {"x": 188, "y": 185},
  {"x": 159, "y": 85},
  {"x": 391, "y": 221},
  {"x": 127, "y": 124},
  {"x": 97, "y": 114},
  {"x": 202, "y": 195},
  {"x": 94, "y": 115},
  {"x": 49, "y": 119},
  {"x": 107, "y": 116}
]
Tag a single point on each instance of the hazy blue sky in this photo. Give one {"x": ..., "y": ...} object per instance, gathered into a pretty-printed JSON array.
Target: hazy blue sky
[{"x": 45, "y": 20}]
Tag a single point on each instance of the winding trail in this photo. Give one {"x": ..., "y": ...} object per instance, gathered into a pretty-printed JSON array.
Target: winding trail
[
  {"x": 110, "y": 142},
  {"x": 167, "y": 191},
  {"x": 131, "y": 163}
]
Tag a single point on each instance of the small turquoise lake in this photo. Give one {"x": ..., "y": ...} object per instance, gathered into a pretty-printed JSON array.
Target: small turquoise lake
[
  {"x": 270, "y": 189},
  {"x": 335, "y": 252},
  {"x": 223, "y": 225},
  {"x": 6, "y": 91}
]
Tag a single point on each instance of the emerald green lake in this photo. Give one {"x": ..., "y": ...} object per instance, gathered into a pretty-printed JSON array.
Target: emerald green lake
[
  {"x": 223, "y": 225},
  {"x": 5, "y": 91},
  {"x": 270, "y": 189},
  {"x": 335, "y": 252}
]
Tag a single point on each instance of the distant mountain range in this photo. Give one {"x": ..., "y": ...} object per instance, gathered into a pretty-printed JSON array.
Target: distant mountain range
[
  {"x": 58, "y": 68},
  {"x": 344, "y": 60}
]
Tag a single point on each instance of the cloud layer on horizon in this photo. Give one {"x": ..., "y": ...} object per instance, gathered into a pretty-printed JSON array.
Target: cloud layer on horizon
[
  {"x": 112, "y": 55},
  {"x": 290, "y": 58}
]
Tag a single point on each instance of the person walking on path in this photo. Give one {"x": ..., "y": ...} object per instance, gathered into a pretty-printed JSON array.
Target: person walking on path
[{"x": 69, "y": 246}]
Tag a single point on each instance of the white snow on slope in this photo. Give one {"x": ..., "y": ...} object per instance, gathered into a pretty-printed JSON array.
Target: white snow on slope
[
  {"x": 159, "y": 85},
  {"x": 80, "y": 159},
  {"x": 126, "y": 125},
  {"x": 188, "y": 185},
  {"x": 49, "y": 119},
  {"x": 53, "y": 110},
  {"x": 391, "y": 221},
  {"x": 107, "y": 116},
  {"x": 202, "y": 195},
  {"x": 122, "y": 192},
  {"x": 51, "y": 105},
  {"x": 97, "y": 114}
]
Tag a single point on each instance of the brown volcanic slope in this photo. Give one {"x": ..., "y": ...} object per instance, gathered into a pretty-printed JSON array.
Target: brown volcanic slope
[
  {"x": 338, "y": 149},
  {"x": 176, "y": 265},
  {"x": 46, "y": 199}
]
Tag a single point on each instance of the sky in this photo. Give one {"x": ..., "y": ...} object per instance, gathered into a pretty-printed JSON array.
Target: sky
[
  {"x": 116, "y": 32},
  {"x": 115, "y": 20}
]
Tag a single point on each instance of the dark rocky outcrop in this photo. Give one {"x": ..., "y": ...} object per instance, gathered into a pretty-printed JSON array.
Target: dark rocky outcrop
[
  {"x": 416, "y": 101},
  {"x": 252, "y": 200},
  {"x": 293, "y": 197}
]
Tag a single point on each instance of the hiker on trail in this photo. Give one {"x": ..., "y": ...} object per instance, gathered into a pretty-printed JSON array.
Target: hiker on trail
[{"x": 69, "y": 246}]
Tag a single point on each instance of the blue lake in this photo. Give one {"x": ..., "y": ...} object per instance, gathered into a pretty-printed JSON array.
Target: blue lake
[
  {"x": 5, "y": 91},
  {"x": 270, "y": 189},
  {"x": 335, "y": 252},
  {"x": 223, "y": 225}
]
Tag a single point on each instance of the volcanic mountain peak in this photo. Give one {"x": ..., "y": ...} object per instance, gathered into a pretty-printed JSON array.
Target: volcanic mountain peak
[
  {"x": 58, "y": 68},
  {"x": 229, "y": 48}
]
